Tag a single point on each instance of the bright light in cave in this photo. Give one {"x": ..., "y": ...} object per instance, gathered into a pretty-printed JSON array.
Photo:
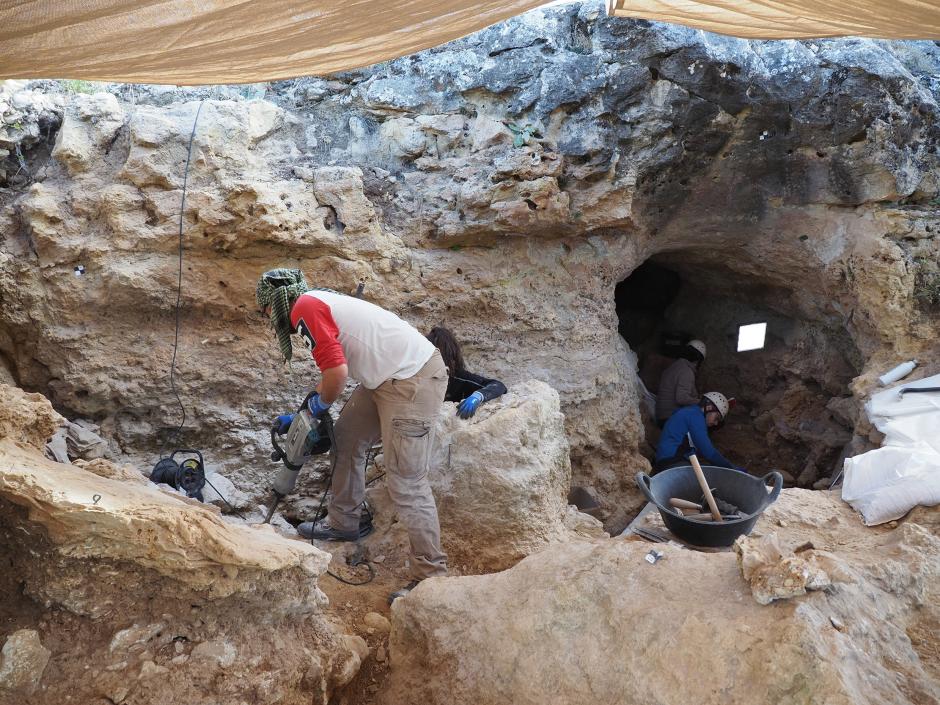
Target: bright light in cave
[{"x": 751, "y": 337}]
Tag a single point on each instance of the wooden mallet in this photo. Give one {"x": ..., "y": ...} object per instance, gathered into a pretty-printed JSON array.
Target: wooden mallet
[{"x": 700, "y": 476}]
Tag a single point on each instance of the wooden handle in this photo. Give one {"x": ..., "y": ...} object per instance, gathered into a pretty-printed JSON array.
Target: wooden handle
[
  {"x": 716, "y": 515},
  {"x": 684, "y": 504}
]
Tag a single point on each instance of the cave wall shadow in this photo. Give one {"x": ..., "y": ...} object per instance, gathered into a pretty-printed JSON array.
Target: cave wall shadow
[{"x": 794, "y": 408}]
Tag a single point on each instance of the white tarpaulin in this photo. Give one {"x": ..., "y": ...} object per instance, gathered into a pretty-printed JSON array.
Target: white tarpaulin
[
  {"x": 886, "y": 483},
  {"x": 241, "y": 41}
]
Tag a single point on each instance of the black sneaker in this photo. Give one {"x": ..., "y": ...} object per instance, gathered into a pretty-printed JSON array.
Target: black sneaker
[
  {"x": 403, "y": 591},
  {"x": 365, "y": 528},
  {"x": 322, "y": 531}
]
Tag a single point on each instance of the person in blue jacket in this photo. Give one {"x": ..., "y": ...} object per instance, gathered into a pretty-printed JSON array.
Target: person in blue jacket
[{"x": 695, "y": 419}]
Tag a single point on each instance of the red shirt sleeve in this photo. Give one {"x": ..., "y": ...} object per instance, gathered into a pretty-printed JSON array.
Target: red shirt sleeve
[{"x": 313, "y": 321}]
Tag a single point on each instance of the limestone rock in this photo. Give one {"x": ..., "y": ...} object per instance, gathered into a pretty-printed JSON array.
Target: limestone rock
[
  {"x": 27, "y": 116},
  {"x": 27, "y": 418},
  {"x": 57, "y": 447},
  {"x": 689, "y": 614},
  {"x": 221, "y": 653},
  {"x": 164, "y": 532},
  {"x": 134, "y": 635},
  {"x": 341, "y": 189},
  {"x": 223, "y": 492},
  {"x": 84, "y": 442},
  {"x": 149, "y": 669},
  {"x": 376, "y": 621},
  {"x": 501, "y": 479},
  {"x": 487, "y": 132},
  {"x": 357, "y": 645},
  {"x": 107, "y": 468},
  {"x": 22, "y": 661},
  {"x": 89, "y": 127},
  {"x": 776, "y": 575}
]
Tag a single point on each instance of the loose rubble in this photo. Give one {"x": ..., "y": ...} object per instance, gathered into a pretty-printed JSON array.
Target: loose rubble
[{"x": 137, "y": 581}]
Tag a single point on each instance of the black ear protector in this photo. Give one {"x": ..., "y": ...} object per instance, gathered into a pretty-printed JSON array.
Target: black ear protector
[{"x": 188, "y": 476}]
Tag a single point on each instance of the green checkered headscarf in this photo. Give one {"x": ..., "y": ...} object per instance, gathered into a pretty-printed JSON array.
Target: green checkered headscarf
[{"x": 279, "y": 288}]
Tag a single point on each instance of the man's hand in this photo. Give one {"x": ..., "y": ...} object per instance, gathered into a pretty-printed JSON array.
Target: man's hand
[
  {"x": 282, "y": 423},
  {"x": 468, "y": 407},
  {"x": 317, "y": 406}
]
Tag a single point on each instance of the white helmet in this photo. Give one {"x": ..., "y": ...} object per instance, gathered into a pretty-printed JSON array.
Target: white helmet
[
  {"x": 720, "y": 402},
  {"x": 698, "y": 345}
]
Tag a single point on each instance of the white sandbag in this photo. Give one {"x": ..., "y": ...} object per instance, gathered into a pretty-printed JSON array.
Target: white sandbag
[{"x": 886, "y": 483}]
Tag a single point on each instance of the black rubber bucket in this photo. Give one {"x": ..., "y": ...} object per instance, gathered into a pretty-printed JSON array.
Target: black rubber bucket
[{"x": 748, "y": 493}]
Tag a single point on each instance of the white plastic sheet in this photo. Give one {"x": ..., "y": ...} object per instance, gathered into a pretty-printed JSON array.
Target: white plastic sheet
[{"x": 886, "y": 483}]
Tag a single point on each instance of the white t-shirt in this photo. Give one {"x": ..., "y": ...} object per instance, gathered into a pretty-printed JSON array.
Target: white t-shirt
[{"x": 376, "y": 344}]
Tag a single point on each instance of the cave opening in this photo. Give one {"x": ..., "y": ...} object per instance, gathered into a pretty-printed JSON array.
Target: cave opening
[{"x": 793, "y": 409}]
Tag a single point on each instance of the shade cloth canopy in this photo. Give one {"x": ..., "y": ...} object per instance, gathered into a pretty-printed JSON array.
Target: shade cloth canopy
[
  {"x": 239, "y": 41},
  {"x": 794, "y": 19}
]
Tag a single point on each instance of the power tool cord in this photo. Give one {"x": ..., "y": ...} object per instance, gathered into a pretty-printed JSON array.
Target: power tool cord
[
  {"x": 179, "y": 295},
  {"x": 230, "y": 505},
  {"x": 179, "y": 287}
]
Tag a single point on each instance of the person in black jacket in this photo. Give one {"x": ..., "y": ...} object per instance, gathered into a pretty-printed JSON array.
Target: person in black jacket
[{"x": 463, "y": 386}]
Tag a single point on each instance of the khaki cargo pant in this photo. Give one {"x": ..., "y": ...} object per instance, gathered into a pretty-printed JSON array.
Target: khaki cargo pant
[{"x": 402, "y": 413}]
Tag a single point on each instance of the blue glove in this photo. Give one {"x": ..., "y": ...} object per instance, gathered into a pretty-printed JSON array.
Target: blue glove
[
  {"x": 282, "y": 423},
  {"x": 317, "y": 406},
  {"x": 468, "y": 407}
]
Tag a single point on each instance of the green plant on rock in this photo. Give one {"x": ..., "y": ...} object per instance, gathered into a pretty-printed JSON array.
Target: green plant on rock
[
  {"x": 75, "y": 85},
  {"x": 523, "y": 134}
]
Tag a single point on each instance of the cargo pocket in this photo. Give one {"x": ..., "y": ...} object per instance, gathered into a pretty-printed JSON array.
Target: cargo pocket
[{"x": 412, "y": 443}]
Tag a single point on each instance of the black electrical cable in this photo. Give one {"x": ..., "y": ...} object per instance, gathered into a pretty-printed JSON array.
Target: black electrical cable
[
  {"x": 917, "y": 390},
  {"x": 179, "y": 284},
  {"x": 179, "y": 295},
  {"x": 354, "y": 565},
  {"x": 231, "y": 506}
]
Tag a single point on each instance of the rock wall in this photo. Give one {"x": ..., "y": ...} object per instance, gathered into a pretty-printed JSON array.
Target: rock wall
[{"x": 501, "y": 184}]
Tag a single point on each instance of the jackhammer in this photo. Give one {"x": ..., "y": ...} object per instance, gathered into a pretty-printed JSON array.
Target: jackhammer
[{"x": 307, "y": 436}]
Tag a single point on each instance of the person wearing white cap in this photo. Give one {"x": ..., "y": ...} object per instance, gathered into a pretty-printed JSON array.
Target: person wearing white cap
[
  {"x": 677, "y": 384},
  {"x": 694, "y": 421}
]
